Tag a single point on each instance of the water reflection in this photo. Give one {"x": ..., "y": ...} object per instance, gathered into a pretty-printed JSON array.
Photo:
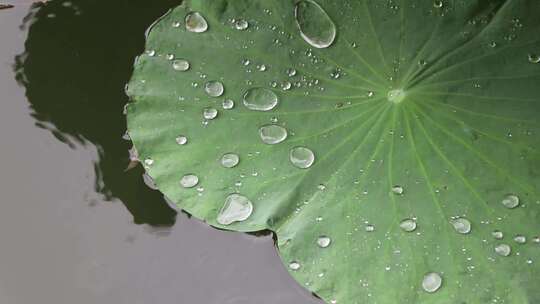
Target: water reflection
[{"x": 78, "y": 57}]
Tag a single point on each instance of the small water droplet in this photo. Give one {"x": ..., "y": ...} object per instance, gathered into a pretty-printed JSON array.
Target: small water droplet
[
  {"x": 230, "y": 160},
  {"x": 210, "y": 113},
  {"x": 396, "y": 96},
  {"x": 397, "y": 189},
  {"x": 214, "y": 88},
  {"x": 461, "y": 225},
  {"x": 408, "y": 225},
  {"x": 260, "y": 99},
  {"x": 438, "y": 4},
  {"x": 181, "y": 140},
  {"x": 503, "y": 250},
  {"x": 148, "y": 161},
  {"x": 181, "y": 65},
  {"x": 176, "y": 24},
  {"x": 370, "y": 228},
  {"x": 301, "y": 157},
  {"x": 291, "y": 72},
  {"x": 536, "y": 239},
  {"x": 272, "y": 134},
  {"x": 520, "y": 239},
  {"x": 189, "y": 181},
  {"x": 533, "y": 58},
  {"x": 151, "y": 53},
  {"x": 169, "y": 56},
  {"x": 196, "y": 23},
  {"x": 228, "y": 104},
  {"x": 294, "y": 265},
  {"x": 241, "y": 24},
  {"x": 316, "y": 27},
  {"x": 323, "y": 241},
  {"x": 497, "y": 234},
  {"x": 432, "y": 282},
  {"x": 237, "y": 208},
  {"x": 510, "y": 201}
]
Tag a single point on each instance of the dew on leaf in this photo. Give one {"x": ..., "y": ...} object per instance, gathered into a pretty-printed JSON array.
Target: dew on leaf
[
  {"x": 181, "y": 140},
  {"x": 438, "y": 4},
  {"x": 396, "y": 96},
  {"x": 408, "y": 225},
  {"x": 291, "y": 72},
  {"x": 189, "y": 181},
  {"x": 432, "y": 282},
  {"x": 536, "y": 239},
  {"x": 196, "y": 23},
  {"x": 503, "y": 250},
  {"x": 230, "y": 160},
  {"x": 272, "y": 134},
  {"x": 323, "y": 241},
  {"x": 316, "y": 27},
  {"x": 294, "y": 265},
  {"x": 510, "y": 201},
  {"x": 301, "y": 157},
  {"x": 151, "y": 53},
  {"x": 461, "y": 225},
  {"x": 181, "y": 65},
  {"x": 237, "y": 208},
  {"x": 370, "y": 228},
  {"x": 260, "y": 99},
  {"x": 169, "y": 56},
  {"x": 210, "y": 113},
  {"x": 214, "y": 88}
]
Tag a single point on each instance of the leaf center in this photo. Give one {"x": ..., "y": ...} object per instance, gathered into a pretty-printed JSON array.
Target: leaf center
[{"x": 396, "y": 96}]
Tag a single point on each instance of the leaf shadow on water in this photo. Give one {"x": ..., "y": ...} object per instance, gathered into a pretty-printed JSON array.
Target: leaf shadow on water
[{"x": 78, "y": 57}]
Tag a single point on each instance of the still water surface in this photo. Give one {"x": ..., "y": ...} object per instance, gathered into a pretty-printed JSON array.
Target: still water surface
[{"x": 74, "y": 226}]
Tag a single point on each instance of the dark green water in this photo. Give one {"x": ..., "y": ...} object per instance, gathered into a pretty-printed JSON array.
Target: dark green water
[{"x": 75, "y": 227}]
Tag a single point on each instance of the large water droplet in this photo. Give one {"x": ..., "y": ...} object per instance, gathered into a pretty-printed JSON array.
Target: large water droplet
[
  {"x": 315, "y": 25},
  {"x": 272, "y": 134},
  {"x": 510, "y": 201},
  {"x": 260, "y": 99},
  {"x": 408, "y": 225},
  {"x": 503, "y": 250},
  {"x": 189, "y": 181},
  {"x": 214, "y": 88},
  {"x": 196, "y": 23},
  {"x": 323, "y": 241},
  {"x": 237, "y": 208},
  {"x": 432, "y": 282},
  {"x": 230, "y": 160},
  {"x": 181, "y": 65},
  {"x": 461, "y": 225},
  {"x": 301, "y": 157}
]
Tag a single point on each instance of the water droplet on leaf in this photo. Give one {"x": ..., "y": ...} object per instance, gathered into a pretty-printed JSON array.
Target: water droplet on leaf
[
  {"x": 214, "y": 88},
  {"x": 260, "y": 99},
  {"x": 181, "y": 140},
  {"x": 316, "y": 27},
  {"x": 180, "y": 65},
  {"x": 230, "y": 160},
  {"x": 237, "y": 208},
  {"x": 408, "y": 225},
  {"x": 301, "y": 157},
  {"x": 210, "y": 113},
  {"x": 323, "y": 241},
  {"x": 510, "y": 201},
  {"x": 189, "y": 181},
  {"x": 196, "y": 23},
  {"x": 272, "y": 134},
  {"x": 432, "y": 282},
  {"x": 461, "y": 225}
]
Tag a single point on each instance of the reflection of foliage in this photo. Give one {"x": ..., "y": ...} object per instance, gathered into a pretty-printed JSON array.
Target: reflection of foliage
[{"x": 77, "y": 60}]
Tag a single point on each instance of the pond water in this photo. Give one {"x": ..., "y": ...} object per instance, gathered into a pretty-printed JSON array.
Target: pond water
[{"x": 75, "y": 227}]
